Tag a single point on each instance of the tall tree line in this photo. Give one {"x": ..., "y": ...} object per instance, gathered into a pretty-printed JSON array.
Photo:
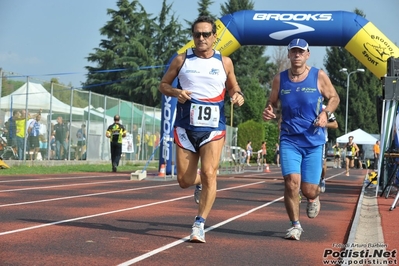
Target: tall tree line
[
  {"x": 364, "y": 88},
  {"x": 132, "y": 57},
  {"x": 136, "y": 48}
]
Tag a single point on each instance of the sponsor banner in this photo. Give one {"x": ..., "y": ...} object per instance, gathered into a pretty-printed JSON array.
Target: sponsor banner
[
  {"x": 372, "y": 48},
  {"x": 127, "y": 144},
  {"x": 225, "y": 42},
  {"x": 319, "y": 28}
]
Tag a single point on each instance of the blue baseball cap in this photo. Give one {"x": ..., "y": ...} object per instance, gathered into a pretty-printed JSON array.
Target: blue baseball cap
[{"x": 298, "y": 43}]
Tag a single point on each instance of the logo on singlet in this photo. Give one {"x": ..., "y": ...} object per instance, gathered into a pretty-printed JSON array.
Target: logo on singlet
[{"x": 214, "y": 71}]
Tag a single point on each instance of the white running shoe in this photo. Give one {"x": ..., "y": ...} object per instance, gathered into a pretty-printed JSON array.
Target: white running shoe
[
  {"x": 313, "y": 208},
  {"x": 197, "y": 233},
  {"x": 294, "y": 233}
]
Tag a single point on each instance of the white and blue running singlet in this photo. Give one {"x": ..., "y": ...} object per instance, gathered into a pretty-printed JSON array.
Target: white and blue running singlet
[{"x": 205, "y": 78}]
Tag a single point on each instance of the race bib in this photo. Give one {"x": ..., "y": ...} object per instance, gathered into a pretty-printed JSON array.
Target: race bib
[
  {"x": 348, "y": 153},
  {"x": 204, "y": 115}
]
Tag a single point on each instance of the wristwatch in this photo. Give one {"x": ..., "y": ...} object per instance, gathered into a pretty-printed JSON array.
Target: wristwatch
[
  {"x": 328, "y": 114},
  {"x": 240, "y": 92}
]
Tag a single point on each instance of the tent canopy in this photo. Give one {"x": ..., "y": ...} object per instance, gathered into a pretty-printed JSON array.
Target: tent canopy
[
  {"x": 359, "y": 137},
  {"x": 127, "y": 110},
  {"x": 38, "y": 98}
]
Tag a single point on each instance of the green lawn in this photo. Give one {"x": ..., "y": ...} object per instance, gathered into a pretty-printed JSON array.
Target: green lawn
[{"x": 79, "y": 168}]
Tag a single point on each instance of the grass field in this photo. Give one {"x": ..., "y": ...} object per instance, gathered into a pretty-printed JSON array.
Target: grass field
[{"x": 65, "y": 169}]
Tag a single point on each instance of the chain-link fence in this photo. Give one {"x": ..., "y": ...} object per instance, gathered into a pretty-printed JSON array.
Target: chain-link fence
[{"x": 85, "y": 116}]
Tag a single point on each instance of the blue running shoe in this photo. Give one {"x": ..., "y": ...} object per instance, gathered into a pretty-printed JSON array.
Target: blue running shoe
[{"x": 197, "y": 233}]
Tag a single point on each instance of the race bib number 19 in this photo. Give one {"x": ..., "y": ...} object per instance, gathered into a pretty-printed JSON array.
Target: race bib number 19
[{"x": 204, "y": 115}]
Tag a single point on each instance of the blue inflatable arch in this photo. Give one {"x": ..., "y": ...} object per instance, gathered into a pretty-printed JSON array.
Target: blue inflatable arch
[{"x": 277, "y": 28}]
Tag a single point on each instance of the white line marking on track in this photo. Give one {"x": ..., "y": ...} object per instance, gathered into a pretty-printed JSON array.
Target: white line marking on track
[
  {"x": 56, "y": 178},
  {"x": 113, "y": 212},
  {"x": 70, "y": 185},
  {"x": 85, "y": 195},
  {"x": 180, "y": 241}
]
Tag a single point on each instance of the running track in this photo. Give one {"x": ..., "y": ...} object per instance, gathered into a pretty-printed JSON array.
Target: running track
[{"x": 107, "y": 219}]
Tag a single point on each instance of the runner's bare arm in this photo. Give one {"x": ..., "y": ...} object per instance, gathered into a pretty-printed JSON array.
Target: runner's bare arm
[
  {"x": 234, "y": 90},
  {"x": 272, "y": 103},
  {"x": 166, "y": 83}
]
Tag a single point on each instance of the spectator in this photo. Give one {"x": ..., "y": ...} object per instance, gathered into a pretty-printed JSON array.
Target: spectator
[
  {"x": 81, "y": 144},
  {"x": 61, "y": 132},
  {"x": 264, "y": 153},
  {"x": 20, "y": 123},
  {"x": 249, "y": 152},
  {"x": 11, "y": 131},
  {"x": 136, "y": 141},
  {"x": 33, "y": 137},
  {"x": 52, "y": 146},
  {"x": 376, "y": 150}
]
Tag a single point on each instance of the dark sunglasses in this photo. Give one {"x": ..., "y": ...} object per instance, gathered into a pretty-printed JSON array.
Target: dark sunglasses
[{"x": 204, "y": 34}]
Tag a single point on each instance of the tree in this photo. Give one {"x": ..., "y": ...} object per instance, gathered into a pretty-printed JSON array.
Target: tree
[
  {"x": 253, "y": 72},
  {"x": 130, "y": 61},
  {"x": 363, "y": 91}
]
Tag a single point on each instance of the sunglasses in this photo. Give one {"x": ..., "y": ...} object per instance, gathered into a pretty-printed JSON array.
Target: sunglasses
[{"x": 204, "y": 34}]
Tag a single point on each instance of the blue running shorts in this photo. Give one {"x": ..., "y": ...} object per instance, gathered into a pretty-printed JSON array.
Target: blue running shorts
[{"x": 306, "y": 161}]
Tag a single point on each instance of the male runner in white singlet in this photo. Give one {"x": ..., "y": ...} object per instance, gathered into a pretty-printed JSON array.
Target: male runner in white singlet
[{"x": 204, "y": 76}]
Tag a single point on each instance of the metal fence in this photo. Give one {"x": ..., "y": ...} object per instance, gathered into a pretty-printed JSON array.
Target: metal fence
[{"x": 77, "y": 108}]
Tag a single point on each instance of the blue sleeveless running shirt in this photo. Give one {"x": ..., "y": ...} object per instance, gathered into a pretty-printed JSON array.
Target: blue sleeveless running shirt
[
  {"x": 205, "y": 78},
  {"x": 301, "y": 103}
]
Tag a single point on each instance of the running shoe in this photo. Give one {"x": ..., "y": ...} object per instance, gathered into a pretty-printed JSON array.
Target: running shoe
[
  {"x": 322, "y": 185},
  {"x": 294, "y": 233},
  {"x": 197, "y": 233},
  {"x": 313, "y": 208},
  {"x": 197, "y": 193}
]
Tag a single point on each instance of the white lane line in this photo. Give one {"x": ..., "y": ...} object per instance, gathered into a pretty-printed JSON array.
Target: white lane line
[
  {"x": 84, "y": 195},
  {"x": 69, "y": 185},
  {"x": 180, "y": 241},
  {"x": 55, "y": 178},
  {"x": 113, "y": 212}
]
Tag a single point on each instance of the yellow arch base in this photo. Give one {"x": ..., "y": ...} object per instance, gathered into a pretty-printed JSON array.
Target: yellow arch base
[{"x": 3, "y": 165}]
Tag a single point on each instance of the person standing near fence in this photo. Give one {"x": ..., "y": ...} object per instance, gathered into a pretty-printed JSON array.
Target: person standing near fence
[
  {"x": 200, "y": 127},
  {"x": 61, "y": 131},
  {"x": 249, "y": 152},
  {"x": 20, "y": 123},
  {"x": 116, "y": 132},
  {"x": 33, "y": 137},
  {"x": 11, "y": 133},
  {"x": 376, "y": 150},
  {"x": 81, "y": 143}
]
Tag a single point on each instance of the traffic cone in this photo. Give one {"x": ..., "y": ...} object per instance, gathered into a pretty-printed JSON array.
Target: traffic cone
[
  {"x": 162, "y": 171},
  {"x": 267, "y": 170}
]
